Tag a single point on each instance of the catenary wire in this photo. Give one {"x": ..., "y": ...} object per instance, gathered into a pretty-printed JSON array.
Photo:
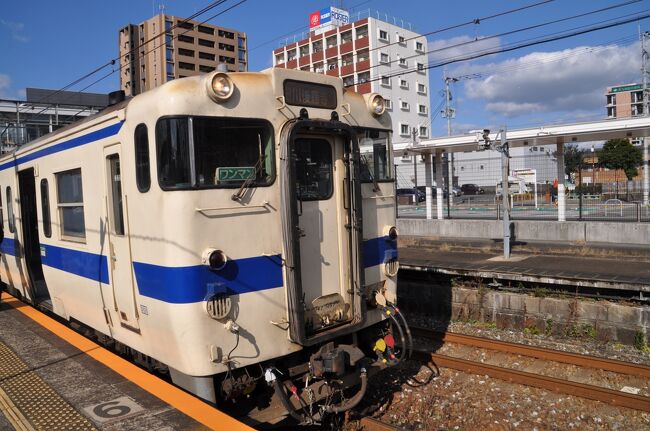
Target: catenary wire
[{"x": 519, "y": 45}]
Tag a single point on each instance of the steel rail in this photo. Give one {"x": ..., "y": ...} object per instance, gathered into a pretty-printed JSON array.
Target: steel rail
[
  {"x": 608, "y": 396},
  {"x": 372, "y": 424},
  {"x": 536, "y": 352}
]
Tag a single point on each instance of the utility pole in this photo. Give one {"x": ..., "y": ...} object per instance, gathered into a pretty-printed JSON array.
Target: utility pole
[
  {"x": 414, "y": 133},
  {"x": 646, "y": 111},
  {"x": 449, "y": 113}
]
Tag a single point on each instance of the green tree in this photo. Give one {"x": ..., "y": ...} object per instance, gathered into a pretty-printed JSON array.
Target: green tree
[
  {"x": 573, "y": 157},
  {"x": 620, "y": 154}
]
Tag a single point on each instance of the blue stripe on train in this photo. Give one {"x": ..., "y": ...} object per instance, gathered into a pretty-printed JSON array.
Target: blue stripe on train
[
  {"x": 191, "y": 283},
  {"x": 378, "y": 250},
  {"x": 65, "y": 145},
  {"x": 180, "y": 285}
]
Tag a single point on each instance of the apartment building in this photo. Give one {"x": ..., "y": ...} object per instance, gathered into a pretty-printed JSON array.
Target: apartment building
[
  {"x": 624, "y": 101},
  {"x": 167, "y": 47},
  {"x": 371, "y": 56}
]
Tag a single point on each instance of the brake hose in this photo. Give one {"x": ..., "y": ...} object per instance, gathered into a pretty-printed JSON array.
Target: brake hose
[
  {"x": 356, "y": 399},
  {"x": 401, "y": 335},
  {"x": 406, "y": 326}
]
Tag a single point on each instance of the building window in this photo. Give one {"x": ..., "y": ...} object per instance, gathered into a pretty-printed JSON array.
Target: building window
[
  {"x": 184, "y": 38},
  {"x": 422, "y": 88},
  {"x": 11, "y": 219},
  {"x": 611, "y": 112},
  {"x": 331, "y": 42},
  {"x": 401, "y": 40},
  {"x": 385, "y": 80},
  {"x": 362, "y": 55},
  {"x": 204, "y": 29},
  {"x": 227, "y": 47},
  {"x": 185, "y": 66},
  {"x": 403, "y": 83},
  {"x": 363, "y": 77},
  {"x": 142, "y": 172},
  {"x": 228, "y": 60},
  {"x": 388, "y": 103},
  {"x": 168, "y": 25},
  {"x": 304, "y": 50},
  {"x": 404, "y": 105},
  {"x": 404, "y": 129},
  {"x": 71, "y": 205},
  {"x": 208, "y": 43},
  {"x": 420, "y": 67},
  {"x": 419, "y": 46},
  {"x": 348, "y": 80},
  {"x": 186, "y": 52},
  {"x": 226, "y": 34},
  {"x": 422, "y": 109},
  {"x": 346, "y": 37},
  {"x": 241, "y": 42},
  {"x": 170, "y": 54},
  {"x": 332, "y": 64},
  {"x": 184, "y": 24},
  {"x": 403, "y": 62},
  {"x": 291, "y": 55},
  {"x": 383, "y": 35},
  {"x": 242, "y": 55},
  {"x": 170, "y": 68},
  {"x": 424, "y": 132},
  {"x": 317, "y": 46},
  {"x": 318, "y": 67},
  {"x": 279, "y": 58},
  {"x": 611, "y": 99},
  {"x": 205, "y": 69},
  {"x": 347, "y": 59},
  {"x": 362, "y": 32},
  {"x": 206, "y": 56},
  {"x": 384, "y": 58}
]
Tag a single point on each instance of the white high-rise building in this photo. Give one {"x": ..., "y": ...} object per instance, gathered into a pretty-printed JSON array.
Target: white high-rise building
[{"x": 371, "y": 56}]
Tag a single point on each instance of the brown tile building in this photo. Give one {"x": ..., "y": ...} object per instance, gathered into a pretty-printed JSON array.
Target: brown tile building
[
  {"x": 176, "y": 49},
  {"x": 624, "y": 101}
]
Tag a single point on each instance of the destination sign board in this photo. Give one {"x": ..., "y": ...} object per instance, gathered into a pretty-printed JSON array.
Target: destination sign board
[{"x": 308, "y": 94}]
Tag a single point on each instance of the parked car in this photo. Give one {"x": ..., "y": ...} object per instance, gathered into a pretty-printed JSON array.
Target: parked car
[
  {"x": 455, "y": 191},
  {"x": 421, "y": 196},
  {"x": 471, "y": 189}
]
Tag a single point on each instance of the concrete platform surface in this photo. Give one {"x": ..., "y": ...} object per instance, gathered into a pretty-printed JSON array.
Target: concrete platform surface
[
  {"x": 480, "y": 258},
  {"x": 56, "y": 381}
]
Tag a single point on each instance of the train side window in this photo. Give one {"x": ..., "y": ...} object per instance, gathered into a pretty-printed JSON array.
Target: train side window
[
  {"x": 10, "y": 212},
  {"x": 45, "y": 205},
  {"x": 374, "y": 146},
  {"x": 71, "y": 205},
  {"x": 142, "y": 171}
]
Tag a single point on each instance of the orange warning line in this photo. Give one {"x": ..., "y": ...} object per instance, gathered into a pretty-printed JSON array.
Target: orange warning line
[{"x": 177, "y": 398}]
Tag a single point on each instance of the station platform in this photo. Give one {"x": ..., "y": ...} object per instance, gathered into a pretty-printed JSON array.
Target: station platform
[
  {"x": 52, "y": 378},
  {"x": 604, "y": 266}
]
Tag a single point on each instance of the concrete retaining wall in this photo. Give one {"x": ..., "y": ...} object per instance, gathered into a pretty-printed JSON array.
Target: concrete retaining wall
[{"x": 530, "y": 230}]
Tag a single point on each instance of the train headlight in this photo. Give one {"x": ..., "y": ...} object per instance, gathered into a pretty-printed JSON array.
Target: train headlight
[
  {"x": 376, "y": 105},
  {"x": 220, "y": 87},
  {"x": 215, "y": 259}
]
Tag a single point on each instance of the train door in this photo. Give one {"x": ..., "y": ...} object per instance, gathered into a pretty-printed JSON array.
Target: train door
[
  {"x": 31, "y": 243},
  {"x": 324, "y": 241},
  {"x": 120, "y": 264}
]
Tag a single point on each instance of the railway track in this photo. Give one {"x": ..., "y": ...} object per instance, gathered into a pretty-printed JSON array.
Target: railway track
[
  {"x": 597, "y": 393},
  {"x": 372, "y": 424}
]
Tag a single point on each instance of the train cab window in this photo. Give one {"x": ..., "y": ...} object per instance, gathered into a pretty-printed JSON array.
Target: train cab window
[
  {"x": 374, "y": 146},
  {"x": 142, "y": 172},
  {"x": 11, "y": 221},
  {"x": 225, "y": 152},
  {"x": 313, "y": 169},
  {"x": 71, "y": 205},
  {"x": 45, "y": 205}
]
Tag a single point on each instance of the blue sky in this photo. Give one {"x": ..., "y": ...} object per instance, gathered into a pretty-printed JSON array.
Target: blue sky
[{"x": 49, "y": 44}]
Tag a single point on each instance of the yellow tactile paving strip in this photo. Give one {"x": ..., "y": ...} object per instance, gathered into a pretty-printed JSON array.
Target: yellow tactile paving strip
[
  {"x": 38, "y": 403},
  {"x": 170, "y": 394}
]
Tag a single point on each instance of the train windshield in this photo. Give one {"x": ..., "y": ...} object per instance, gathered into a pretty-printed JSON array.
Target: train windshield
[
  {"x": 375, "y": 155},
  {"x": 200, "y": 152}
]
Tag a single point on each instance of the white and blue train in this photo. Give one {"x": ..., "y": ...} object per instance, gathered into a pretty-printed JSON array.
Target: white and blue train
[{"x": 225, "y": 228}]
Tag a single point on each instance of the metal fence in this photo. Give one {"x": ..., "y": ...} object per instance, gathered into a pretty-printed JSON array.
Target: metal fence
[{"x": 533, "y": 190}]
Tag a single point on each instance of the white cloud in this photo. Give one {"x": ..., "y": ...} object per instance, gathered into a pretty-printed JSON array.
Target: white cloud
[
  {"x": 16, "y": 29},
  {"x": 458, "y": 47},
  {"x": 5, "y": 83},
  {"x": 568, "y": 80}
]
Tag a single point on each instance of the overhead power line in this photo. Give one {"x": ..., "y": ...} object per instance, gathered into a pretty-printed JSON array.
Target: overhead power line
[
  {"x": 112, "y": 61},
  {"x": 507, "y": 33},
  {"x": 522, "y": 44}
]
